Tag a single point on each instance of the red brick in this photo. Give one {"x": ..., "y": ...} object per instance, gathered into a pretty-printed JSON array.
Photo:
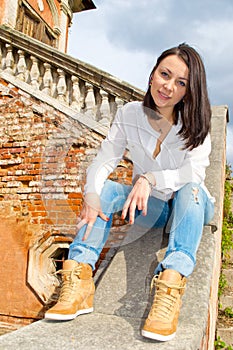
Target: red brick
[
  {"x": 75, "y": 195},
  {"x": 25, "y": 178}
]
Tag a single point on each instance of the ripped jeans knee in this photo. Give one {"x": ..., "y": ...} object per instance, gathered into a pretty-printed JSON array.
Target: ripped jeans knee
[
  {"x": 195, "y": 191},
  {"x": 192, "y": 201}
]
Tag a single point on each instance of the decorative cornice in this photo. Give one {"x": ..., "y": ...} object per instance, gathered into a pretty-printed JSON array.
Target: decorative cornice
[
  {"x": 57, "y": 30},
  {"x": 66, "y": 9},
  {"x": 55, "y": 15},
  {"x": 81, "y": 5}
]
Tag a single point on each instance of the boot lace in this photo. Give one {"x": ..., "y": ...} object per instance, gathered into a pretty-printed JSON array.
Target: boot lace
[
  {"x": 69, "y": 282},
  {"x": 164, "y": 301}
]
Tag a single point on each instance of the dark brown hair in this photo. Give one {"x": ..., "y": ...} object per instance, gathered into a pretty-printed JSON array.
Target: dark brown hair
[{"x": 194, "y": 109}]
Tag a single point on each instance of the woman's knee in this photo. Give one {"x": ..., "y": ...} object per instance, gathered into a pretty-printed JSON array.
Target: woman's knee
[
  {"x": 113, "y": 195},
  {"x": 191, "y": 200},
  {"x": 191, "y": 191},
  {"x": 109, "y": 190}
]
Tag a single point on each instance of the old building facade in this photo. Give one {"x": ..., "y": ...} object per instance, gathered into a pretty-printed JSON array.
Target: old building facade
[{"x": 45, "y": 20}]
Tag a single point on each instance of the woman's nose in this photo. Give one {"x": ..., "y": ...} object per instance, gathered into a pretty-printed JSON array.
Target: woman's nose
[{"x": 169, "y": 85}]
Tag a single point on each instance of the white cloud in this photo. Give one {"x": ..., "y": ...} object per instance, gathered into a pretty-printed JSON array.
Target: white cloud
[{"x": 104, "y": 55}]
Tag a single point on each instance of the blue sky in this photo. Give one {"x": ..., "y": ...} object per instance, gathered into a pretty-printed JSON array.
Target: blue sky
[{"x": 125, "y": 37}]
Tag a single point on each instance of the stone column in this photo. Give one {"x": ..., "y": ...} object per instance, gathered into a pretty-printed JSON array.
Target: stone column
[{"x": 65, "y": 19}]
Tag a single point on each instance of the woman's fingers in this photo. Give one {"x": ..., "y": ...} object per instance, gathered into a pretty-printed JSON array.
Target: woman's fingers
[
  {"x": 132, "y": 209},
  {"x": 137, "y": 198},
  {"x": 125, "y": 207},
  {"x": 88, "y": 217},
  {"x": 81, "y": 222},
  {"x": 87, "y": 232},
  {"x": 103, "y": 216},
  {"x": 91, "y": 224}
]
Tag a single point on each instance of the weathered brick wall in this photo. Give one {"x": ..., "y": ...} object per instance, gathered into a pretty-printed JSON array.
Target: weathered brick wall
[
  {"x": 43, "y": 160},
  {"x": 44, "y": 157}
]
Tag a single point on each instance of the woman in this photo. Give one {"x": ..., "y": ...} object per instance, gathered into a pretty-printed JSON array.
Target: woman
[{"x": 169, "y": 143}]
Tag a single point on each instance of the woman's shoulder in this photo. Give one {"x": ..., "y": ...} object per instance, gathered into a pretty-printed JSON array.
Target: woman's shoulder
[
  {"x": 133, "y": 104},
  {"x": 130, "y": 108}
]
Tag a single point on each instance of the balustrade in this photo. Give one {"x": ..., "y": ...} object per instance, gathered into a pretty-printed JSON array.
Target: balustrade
[
  {"x": 105, "y": 110},
  {"x": 77, "y": 99},
  {"x": 90, "y": 101},
  {"x": 61, "y": 85},
  {"x": 47, "y": 80},
  {"x": 58, "y": 82},
  {"x": 35, "y": 72},
  {"x": 21, "y": 66},
  {"x": 9, "y": 59}
]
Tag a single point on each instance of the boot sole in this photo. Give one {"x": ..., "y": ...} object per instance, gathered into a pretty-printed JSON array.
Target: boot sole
[
  {"x": 60, "y": 317},
  {"x": 156, "y": 336}
]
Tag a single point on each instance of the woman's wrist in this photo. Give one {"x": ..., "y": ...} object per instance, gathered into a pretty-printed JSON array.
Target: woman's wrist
[{"x": 150, "y": 179}]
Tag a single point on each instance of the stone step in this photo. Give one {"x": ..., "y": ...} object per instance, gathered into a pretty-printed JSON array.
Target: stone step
[
  {"x": 228, "y": 256},
  {"x": 228, "y": 273},
  {"x": 226, "y": 301},
  {"x": 226, "y": 335},
  {"x": 7, "y": 328}
]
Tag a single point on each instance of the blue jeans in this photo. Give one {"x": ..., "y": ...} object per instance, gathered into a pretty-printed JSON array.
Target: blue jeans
[{"x": 183, "y": 217}]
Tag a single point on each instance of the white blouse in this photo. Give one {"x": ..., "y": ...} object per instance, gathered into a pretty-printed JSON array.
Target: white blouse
[{"x": 172, "y": 168}]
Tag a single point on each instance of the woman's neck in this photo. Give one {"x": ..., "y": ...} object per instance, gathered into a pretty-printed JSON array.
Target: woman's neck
[
  {"x": 160, "y": 123},
  {"x": 168, "y": 114}
]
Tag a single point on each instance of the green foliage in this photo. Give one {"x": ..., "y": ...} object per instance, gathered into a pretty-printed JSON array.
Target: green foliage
[
  {"x": 220, "y": 344},
  {"x": 227, "y": 201},
  {"x": 221, "y": 284},
  {"x": 227, "y": 242},
  {"x": 226, "y": 246},
  {"x": 228, "y": 312}
]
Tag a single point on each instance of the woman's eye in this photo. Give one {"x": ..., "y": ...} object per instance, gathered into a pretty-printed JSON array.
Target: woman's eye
[
  {"x": 164, "y": 74},
  {"x": 181, "y": 83}
]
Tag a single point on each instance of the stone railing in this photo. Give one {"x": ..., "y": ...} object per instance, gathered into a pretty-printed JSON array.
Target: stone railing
[{"x": 74, "y": 83}]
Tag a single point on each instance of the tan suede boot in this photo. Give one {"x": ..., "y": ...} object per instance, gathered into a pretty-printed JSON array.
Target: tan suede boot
[
  {"x": 77, "y": 292},
  {"x": 162, "y": 320}
]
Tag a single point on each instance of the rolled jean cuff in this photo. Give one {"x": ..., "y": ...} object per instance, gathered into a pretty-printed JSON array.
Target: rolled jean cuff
[
  {"x": 83, "y": 254},
  {"x": 178, "y": 261}
]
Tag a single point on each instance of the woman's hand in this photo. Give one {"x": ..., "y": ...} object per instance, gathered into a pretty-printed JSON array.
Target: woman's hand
[
  {"x": 90, "y": 211},
  {"x": 137, "y": 198}
]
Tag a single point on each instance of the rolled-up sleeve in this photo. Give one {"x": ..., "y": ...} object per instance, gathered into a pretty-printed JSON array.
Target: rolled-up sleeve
[{"x": 108, "y": 157}]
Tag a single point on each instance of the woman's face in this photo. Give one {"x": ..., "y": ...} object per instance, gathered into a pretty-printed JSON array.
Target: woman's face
[{"x": 169, "y": 84}]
